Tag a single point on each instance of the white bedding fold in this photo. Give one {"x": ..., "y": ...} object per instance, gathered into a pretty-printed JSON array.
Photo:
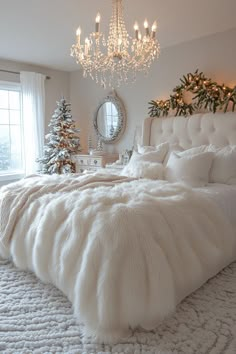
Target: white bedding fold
[
  {"x": 15, "y": 200},
  {"x": 124, "y": 253}
]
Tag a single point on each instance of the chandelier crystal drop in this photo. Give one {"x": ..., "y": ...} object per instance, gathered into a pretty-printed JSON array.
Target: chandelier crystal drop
[{"x": 120, "y": 58}]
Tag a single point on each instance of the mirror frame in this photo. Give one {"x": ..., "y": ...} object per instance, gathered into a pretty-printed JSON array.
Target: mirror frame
[{"x": 113, "y": 98}]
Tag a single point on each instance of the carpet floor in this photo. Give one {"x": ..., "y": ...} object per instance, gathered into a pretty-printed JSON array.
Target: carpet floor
[{"x": 37, "y": 318}]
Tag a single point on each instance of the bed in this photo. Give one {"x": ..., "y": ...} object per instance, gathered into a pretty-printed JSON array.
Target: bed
[{"x": 125, "y": 250}]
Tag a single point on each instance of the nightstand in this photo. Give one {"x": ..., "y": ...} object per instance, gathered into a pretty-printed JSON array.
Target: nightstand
[{"x": 93, "y": 162}]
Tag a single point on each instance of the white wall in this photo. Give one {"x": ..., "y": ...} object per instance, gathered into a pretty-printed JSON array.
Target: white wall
[
  {"x": 57, "y": 86},
  {"x": 215, "y": 55}
]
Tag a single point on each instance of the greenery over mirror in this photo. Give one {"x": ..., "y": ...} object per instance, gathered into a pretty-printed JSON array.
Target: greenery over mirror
[{"x": 110, "y": 119}]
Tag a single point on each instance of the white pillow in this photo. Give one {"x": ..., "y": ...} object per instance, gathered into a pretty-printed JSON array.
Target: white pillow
[
  {"x": 144, "y": 169},
  {"x": 223, "y": 168},
  {"x": 161, "y": 150},
  {"x": 152, "y": 156},
  {"x": 142, "y": 149},
  {"x": 224, "y": 165},
  {"x": 172, "y": 147},
  {"x": 195, "y": 150},
  {"x": 193, "y": 169}
]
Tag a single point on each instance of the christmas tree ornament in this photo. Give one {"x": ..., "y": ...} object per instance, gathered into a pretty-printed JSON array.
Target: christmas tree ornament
[{"x": 63, "y": 142}]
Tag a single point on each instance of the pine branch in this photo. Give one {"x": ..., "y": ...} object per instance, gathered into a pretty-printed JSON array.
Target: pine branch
[{"x": 207, "y": 94}]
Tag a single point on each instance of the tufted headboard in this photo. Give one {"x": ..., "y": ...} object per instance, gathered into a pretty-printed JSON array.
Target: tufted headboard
[{"x": 199, "y": 129}]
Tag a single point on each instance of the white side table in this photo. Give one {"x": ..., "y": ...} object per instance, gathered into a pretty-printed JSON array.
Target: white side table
[{"x": 92, "y": 162}]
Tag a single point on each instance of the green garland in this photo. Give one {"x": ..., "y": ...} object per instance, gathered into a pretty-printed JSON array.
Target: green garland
[{"x": 208, "y": 95}]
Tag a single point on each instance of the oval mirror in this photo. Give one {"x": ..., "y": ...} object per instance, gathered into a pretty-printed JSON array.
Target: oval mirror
[{"x": 109, "y": 119}]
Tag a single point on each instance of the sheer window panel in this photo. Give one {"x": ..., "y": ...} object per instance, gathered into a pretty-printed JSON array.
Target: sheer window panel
[
  {"x": 5, "y": 152},
  {"x": 15, "y": 117},
  {"x": 3, "y": 98},
  {"x": 14, "y": 100},
  {"x": 4, "y": 116},
  {"x": 11, "y": 159}
]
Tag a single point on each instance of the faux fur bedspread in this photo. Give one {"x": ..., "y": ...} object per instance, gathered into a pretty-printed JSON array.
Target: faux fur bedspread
[{"x": 124, "y": 251}]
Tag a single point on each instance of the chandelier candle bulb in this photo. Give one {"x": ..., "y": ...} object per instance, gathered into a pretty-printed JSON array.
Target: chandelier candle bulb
[
  {"x": 86, "y": 46},
  {"x": 78, "y": 33},
  {"x": 154, "y": 28},
  {"x": 146, "y": 27},
  {"x": 136, "y": 28},
  {"x": 97, "y": 27},
  {"x": 119, "y": 44}
]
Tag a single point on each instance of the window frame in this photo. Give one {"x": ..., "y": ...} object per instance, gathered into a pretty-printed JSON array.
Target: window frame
[{"x": 11, "y": 175}]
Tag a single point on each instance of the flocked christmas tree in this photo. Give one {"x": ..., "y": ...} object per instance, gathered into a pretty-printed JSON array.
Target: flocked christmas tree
[{"x": 63, "y": 142}]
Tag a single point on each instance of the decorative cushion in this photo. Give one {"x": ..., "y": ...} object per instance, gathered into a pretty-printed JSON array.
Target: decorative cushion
[
  {"x": 224, "y": 165},
  {"x": 193, "y": 169},
  {"x": 223, "y": 168},
  {"x": 153, "y": 156},
  {"x": 160, "y": 151},
  {"x": 146, "y": 165},
  {"x": 143, "y": 149},
  {"x": 195, "y": 150},
  {"x": 144, "y": 169},
  {"x": 172, "y": 147}
]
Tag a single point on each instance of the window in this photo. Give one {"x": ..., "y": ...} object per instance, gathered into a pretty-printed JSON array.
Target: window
[
  {"x": 111, "y": 118},
  {"x": 11, "y": 157}
]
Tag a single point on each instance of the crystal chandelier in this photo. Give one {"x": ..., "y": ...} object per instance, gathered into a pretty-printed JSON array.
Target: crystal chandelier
[{"x": 118, "y": 59}]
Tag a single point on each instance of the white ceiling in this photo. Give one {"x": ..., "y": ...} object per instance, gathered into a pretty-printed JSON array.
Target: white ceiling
[{"x": 42, "y": 31}]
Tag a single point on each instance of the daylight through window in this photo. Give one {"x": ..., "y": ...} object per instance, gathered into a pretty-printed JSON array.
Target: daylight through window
[{"x": 11, "y": 159}]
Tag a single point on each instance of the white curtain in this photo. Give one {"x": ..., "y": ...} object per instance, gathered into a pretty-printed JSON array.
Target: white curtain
[{"x": 33, "y": 100}]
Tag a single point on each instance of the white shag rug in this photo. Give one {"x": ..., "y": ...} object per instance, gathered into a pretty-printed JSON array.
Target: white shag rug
[{"x": 37, "y": 318}]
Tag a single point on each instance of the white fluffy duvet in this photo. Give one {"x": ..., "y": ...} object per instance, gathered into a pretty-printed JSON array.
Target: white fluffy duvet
[{"x": 124, "y": 251}]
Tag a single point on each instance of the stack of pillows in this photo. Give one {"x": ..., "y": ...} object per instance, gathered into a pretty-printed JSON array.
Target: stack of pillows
[{"x": 196, "y": 167}]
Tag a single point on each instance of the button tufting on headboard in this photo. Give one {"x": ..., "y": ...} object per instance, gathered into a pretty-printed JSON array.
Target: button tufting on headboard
[{"x": 199, "y": 129}]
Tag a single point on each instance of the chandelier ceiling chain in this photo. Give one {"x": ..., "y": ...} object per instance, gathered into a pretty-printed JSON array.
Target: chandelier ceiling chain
[{"x": 121, "y": 57}]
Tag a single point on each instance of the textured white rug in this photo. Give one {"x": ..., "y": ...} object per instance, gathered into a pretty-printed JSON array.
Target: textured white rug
[{"x": 37, "y": 318}]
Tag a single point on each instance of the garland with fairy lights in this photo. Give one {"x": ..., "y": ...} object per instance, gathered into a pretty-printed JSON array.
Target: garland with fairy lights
[{"x": 207, "y": 94}]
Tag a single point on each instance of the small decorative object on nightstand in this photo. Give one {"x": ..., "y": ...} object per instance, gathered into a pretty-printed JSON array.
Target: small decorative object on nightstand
[
  {"x": 99, "y": 145},
  {"x": 118, "y": 165},
  {"x": 90, "y": 145},
  {"x": 93, "y": 162},
  {"x": 127, "y": 155}
]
